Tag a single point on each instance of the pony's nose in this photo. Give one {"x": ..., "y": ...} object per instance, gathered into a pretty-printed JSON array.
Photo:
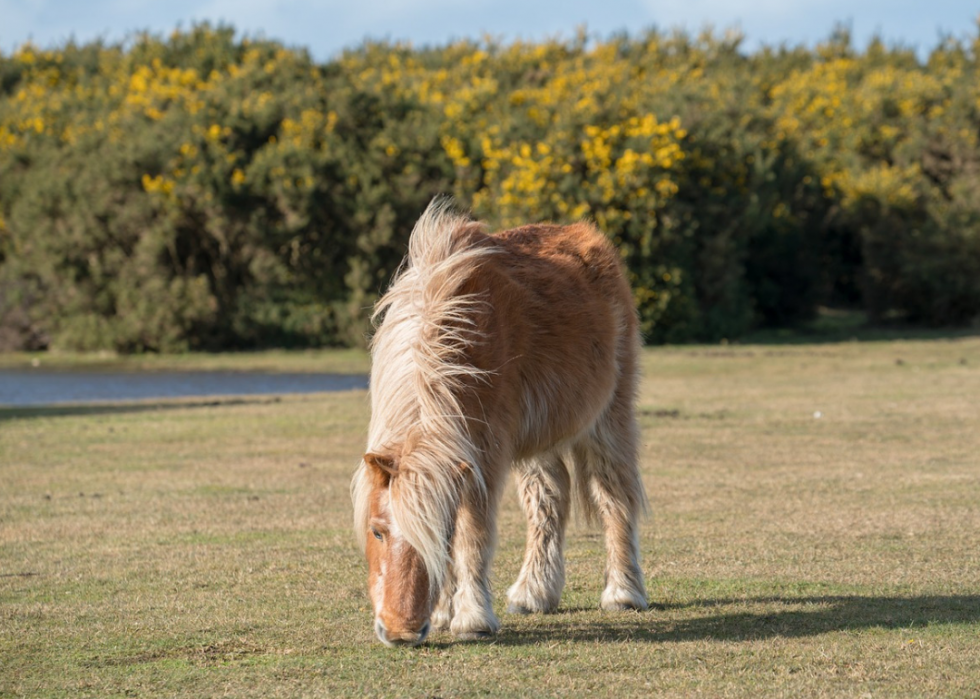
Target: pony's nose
[{"x": 402, "y": 638}]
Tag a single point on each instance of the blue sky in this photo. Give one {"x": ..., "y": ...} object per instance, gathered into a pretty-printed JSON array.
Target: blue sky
[{"x": 325, "y": 27}]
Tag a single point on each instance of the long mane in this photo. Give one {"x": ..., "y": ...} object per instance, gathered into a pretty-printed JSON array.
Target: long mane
[{"x": 419, "y": 365}]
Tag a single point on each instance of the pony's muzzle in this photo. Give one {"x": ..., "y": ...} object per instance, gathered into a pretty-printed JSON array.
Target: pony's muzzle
[{"x": 401, "y": 638}]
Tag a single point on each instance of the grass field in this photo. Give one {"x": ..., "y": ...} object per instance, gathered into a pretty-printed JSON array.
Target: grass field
[{"x": 815, "y": 531}]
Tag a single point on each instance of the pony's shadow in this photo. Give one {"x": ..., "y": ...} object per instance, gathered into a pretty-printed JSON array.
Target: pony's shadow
[{"x": 803, "y": 616}]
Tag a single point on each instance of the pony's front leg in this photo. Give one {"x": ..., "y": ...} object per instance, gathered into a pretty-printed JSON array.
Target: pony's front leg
[
  {"x": 442, "y": 613},
  {"x": 474, "y": 542}
]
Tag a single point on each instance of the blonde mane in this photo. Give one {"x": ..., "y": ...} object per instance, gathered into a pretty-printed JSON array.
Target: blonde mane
[{"x": 419, "y": 366}]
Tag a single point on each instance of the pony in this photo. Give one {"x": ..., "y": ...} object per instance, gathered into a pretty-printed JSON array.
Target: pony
[{"x": 515, "y": 351}]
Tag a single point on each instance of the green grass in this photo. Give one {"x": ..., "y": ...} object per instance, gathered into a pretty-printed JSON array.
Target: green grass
[{"x": 203, "y": 547}]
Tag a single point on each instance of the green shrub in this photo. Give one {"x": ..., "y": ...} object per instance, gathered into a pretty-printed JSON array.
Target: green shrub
[{"x": 203, "y": 191}]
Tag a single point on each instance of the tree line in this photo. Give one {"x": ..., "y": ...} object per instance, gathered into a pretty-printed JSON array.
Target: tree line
[{"x": 204, "y": 191}]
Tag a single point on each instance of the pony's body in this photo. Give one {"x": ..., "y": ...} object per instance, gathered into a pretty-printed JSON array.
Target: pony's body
[{"x": 515, "y": 349}]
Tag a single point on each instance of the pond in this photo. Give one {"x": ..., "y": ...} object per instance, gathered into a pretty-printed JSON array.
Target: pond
[{"x": 45, "y": 387}]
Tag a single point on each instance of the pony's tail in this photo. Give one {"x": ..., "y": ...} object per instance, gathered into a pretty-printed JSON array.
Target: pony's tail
[
  {"x": 606, "y": 459},
  {"x": 585, "y": 505},
  {"x": 603, "y": 483}
]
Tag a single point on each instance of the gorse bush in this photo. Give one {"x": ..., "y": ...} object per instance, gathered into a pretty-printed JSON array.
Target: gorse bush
[
  {"x": 200, "y": 192},
  {"x": 205, "y": 191}
]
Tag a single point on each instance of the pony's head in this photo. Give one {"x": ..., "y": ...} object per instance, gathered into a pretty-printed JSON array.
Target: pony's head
[
  {"x": 397, "y": 581},
  {"x": 406, "y": 519}
]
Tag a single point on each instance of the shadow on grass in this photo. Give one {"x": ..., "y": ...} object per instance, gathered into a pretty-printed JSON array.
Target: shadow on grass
[
  {"x": 89, "y": 409},
  {"x": 808, "y": 616}
]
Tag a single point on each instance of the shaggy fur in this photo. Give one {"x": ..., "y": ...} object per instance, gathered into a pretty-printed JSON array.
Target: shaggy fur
[{"x": 519, "y": 350}]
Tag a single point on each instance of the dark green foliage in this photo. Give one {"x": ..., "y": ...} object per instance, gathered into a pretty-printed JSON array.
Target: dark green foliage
[{"x": 207, "y": 192}]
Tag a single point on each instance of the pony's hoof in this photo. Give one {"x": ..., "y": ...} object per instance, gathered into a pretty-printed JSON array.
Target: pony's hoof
[
  {"x": 624, "y": 605},
  {"x": 477, "y": 625},
  {"x": 623, "y": 601},
  {"x": 522, "y": 601},
  {"x": 441, "y": 620}
]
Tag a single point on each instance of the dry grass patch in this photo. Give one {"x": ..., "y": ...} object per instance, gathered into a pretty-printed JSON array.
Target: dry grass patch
[{"x": 203, "y": 548}]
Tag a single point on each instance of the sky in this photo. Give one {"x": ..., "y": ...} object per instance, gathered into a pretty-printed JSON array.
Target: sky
[{"x": 326, "y": 27}]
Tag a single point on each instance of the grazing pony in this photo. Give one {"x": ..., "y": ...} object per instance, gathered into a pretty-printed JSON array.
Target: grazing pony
[{"x": 517, "y": 349}]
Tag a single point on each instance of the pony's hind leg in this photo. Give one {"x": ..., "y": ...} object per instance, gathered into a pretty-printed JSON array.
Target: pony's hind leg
[
  {"x": 543, "y": 486},
  {"x": 606, "y": 463}
]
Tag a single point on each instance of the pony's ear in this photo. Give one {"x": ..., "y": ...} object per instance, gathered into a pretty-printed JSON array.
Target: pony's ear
[{"x": 382, "y": 463}]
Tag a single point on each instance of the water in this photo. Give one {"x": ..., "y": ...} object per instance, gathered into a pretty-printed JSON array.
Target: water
[{"x": 43, "y": 387}]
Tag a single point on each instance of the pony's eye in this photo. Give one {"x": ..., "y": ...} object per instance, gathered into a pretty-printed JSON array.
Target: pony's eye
[{"x": 377, "y": 535}]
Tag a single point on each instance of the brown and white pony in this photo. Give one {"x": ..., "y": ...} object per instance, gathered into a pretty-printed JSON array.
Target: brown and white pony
[{"x": 512, "y": 350}]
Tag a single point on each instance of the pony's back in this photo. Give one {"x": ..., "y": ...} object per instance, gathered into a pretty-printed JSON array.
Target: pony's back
[{"x": 562, "y": 327}]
